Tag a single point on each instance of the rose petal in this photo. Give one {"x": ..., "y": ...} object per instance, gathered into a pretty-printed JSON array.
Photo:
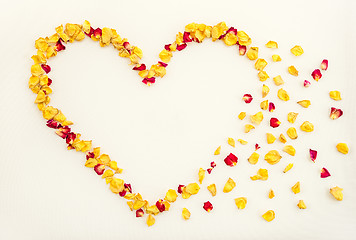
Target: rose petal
[
  {"x": 247, "y": 98},
  {"x": 274, "y": 122},
  {"x": 324, "y": 65},
  {"x": 231, "y": 160},
  {"x": 313, "y": 154},
  {"x": 335, "y": 113},
  {"x": 208, "y": 206},
  {"x": 316, "y": 74},
  {"x": 324, "y": 173}
]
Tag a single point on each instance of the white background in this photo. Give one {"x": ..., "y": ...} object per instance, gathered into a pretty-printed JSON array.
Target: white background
[{"x": 163, "y": 134}]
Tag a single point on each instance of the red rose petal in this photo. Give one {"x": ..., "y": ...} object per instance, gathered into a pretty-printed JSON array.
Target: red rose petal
[
  {"x": 274, "y": 122},
  {"x": 209, "y": 170},
  {"x": 70, "y": 137},
  {"x": 46, "y": 68},
  {"x": 99, "y": 169},
  {"x": 324, "y": 65},
  {"x": 140, "y": 67},
  {"x": 91, "y": 32},
  {"x": 89, "y": 155},
  {"x": 208, "y": 206},
  {"x": 167, "y": 47},
  {"x": 306, "y": 83},
  {"x": 160, "y": 205},
  {"x": 247, "y": 98},
  {"x": 180, "y": 188},
  {"x": 335, "y": 113},
  {"x": 52, "y": 124},
  {"x": 231, "y": 160},
  {"x": 140, "y": 213},
  {"x": 149, "y": 81},
  {"x": 313, "y": 154},
  {"x": 163, "y": 64},
  {"x": 213, "y": 164},
  {"x": 181, "y": 47},
  {"x": 257, "y": 146},
  {"x": 271, "y": 107},
  {"x": 186, "y": 37},
  {"x": 242, "y": 50},
  {"x": 316, "y": 74},
  {"x": 324, "y": 173}
]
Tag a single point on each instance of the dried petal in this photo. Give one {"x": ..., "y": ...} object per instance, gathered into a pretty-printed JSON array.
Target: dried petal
[
  {"x": 231, "y": 142},
  {"x": 253, "y": 159},
  {"x": 276, "y": 58},
  {"x": 208, "y": 206},
  {"x": 243, "y": 142},
  {"x": 343, "y": 148},
  {"x": 247, "y": 98},
  {"x": 273, "y": 157},
  {"x": 171, "y": 195},
  {"x": 306, "y": 83},
  {"x": 274, "y": 122},
  {"x": 271, "y": 107},
  {"x": 260, "y": 64},
  {"x": 297, "y": 50},
  {"x": 209, "y": 170},
  {"x": 242, "y": 50},
  {"x": 269, "y": 215},
  {"x": 335, "y": 95},
  {"x": 180, "y": 189},
  {"x": 296, "y": 188},
  {"x": 272, "y": 44},
  {"x": 316, "y": 74},
  {"x": 270, "y": 194},
  {"x": 293, "y": 71},
  {"x": 241, "y": 202},
  {"x": 324, "y": 173},
  {"x": 185, "y": 214},
  {"x": 292, "y": 116},
  {"x": 160, "y": 205},
  {"x": 139, "y": 213},
  {"x": 289, "y": 149},
  {"x": 270, "y": 138},
  {"x": 265, "y": 90},
  {"x": 117, "y": 185},
  {"x": 212, "y": 164},
  {"x": 150, "y": 220},
  {"x": 244, "y": 39},
  {"x": 292, "y": 133},
  {"x": 229, "y": 185},
  {"x": 283, "y": 95},
  {"x": 192, "y": 188},
  {"x": 282, "y": 138},
  {"x": 201, "y": 175},
  {"x": 46, "y": 68},
  {"x": 304, "y": 103},
  {"x": 324, "y": 64},
  {"x": 288, "y": 167},
  {"x": 231, "y": 160},
  {"x": 262, "y": 174},
  {"x": 99, "y": 169},
  {"x": 264, "y": 105},
  {"x": 337, "y": 193},
  {"x": 257, "y": 146},
  {"x": 301, "y": 204},
  {"x": 263, "y": 76},
  {"x": 335, "y": 113},
  {"x": 248, "y": 128},
  {"x": 212, "y": 189},
  {"x": 278, "y": 80},
  {"x": 257, "y": 118},
  {"x": 252, "y": 53},
  {"x": 313, "y": 154},
  {"x": 217, "y": 151},
  {"x": 307, "y": 127},
  {"x": 242, "y": 115},
  {"x": 91, "y": 162}
]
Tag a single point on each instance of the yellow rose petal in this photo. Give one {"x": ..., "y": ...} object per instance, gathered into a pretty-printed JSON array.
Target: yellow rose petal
[
  {"x": 297, "y": 50},
  {"x": 241, "y": 202},
  {"x": 343, "y": 148},
  {"x": 269, "y": 215},
  {"x": 229, "y": 185}
]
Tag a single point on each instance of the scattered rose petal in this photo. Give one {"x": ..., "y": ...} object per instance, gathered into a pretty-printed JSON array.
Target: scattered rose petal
[
  {"x": 316, "y": 74},
  {"x": 231, "y": 142},
  {"x": 276, "y": 58},
  {"x": 278, "y": 80},
  {"x": 307, "y": 127},
  {"x": 242, "y": 50},
  {"x": 262, "y": 174},
  {"x": 209, "y": 170},
  {"x": 180, "y": 189},
  {"x": 229, "y": 185},
  {"x": 99, "y": 169},
  {"x": 212, "y": 189},
  {"x": 343, "y": 148},
  {"x": 160, "y": 205},
  {"x": 324, "y": 173},
  {"x": 257, "y": 146},
  {"x": 274, "y": 122},
  {"x": 242, "y": 115},
  {"x": 270, "y": 194},
  {"x": 208, "y": 206},
  {"x": 292, "y": 133},
  {"x": 213, "y": 164},
  {"x": 260, "y": 64},
  {"x": 139, "y": 213},
  {"x": 181, "y": 47},
  {"x": 273, "y": 157},
  {"x": 257, "y": 118},
  {"x": 265, "y": 90},
  {"x": 272, "y": 44},
  {"x": 150, "y": 220},
  {"x": 304, "y": 103},
  {"x": 289, "y": 149},
  {"x": 248, "y": 128},
  {"x": 271, "y": 107},
  {"x": 337, "y": 193},
  {"x": 253, "y": 159},
  {"x": 270, "y": 138},
  {"x": 46, "y": 68},
  {"x": 335, "y": 113},
  {"x": 247, "y": 98},
  {"x": 201, "y": 175},
  {"x": 297, "y": 50},
  {"x": 293, "y": 71},
  {"x": 269, "y": 215},
  {"x": 335, "y": 95},
  {"x": 296, "y": 188},
  {"x": 313, "y": 154},
  {"x": 140, "y": 67},
  {"x": 324, "y": 65},
  {"x": 263, "y": 76},
  {"x": 288, "y": 167},
  {"x": 283, "y": 95},
  {"x": 306, "y": 83},
  {"x": 282, "y": 138},
  {"x": 292, "y": 116},
  {"x": 240, "y": 202},
  {"x": 301, "y": 204},
  {"x": 231, "y": 160},
  {"x": 185, "y": 214}
]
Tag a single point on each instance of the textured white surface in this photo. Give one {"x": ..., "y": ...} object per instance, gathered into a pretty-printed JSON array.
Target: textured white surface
[{"x": 163, "y": 134}]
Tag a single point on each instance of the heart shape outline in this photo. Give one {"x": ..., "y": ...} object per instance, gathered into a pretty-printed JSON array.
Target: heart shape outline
[{"x": 39, "y": 84}]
